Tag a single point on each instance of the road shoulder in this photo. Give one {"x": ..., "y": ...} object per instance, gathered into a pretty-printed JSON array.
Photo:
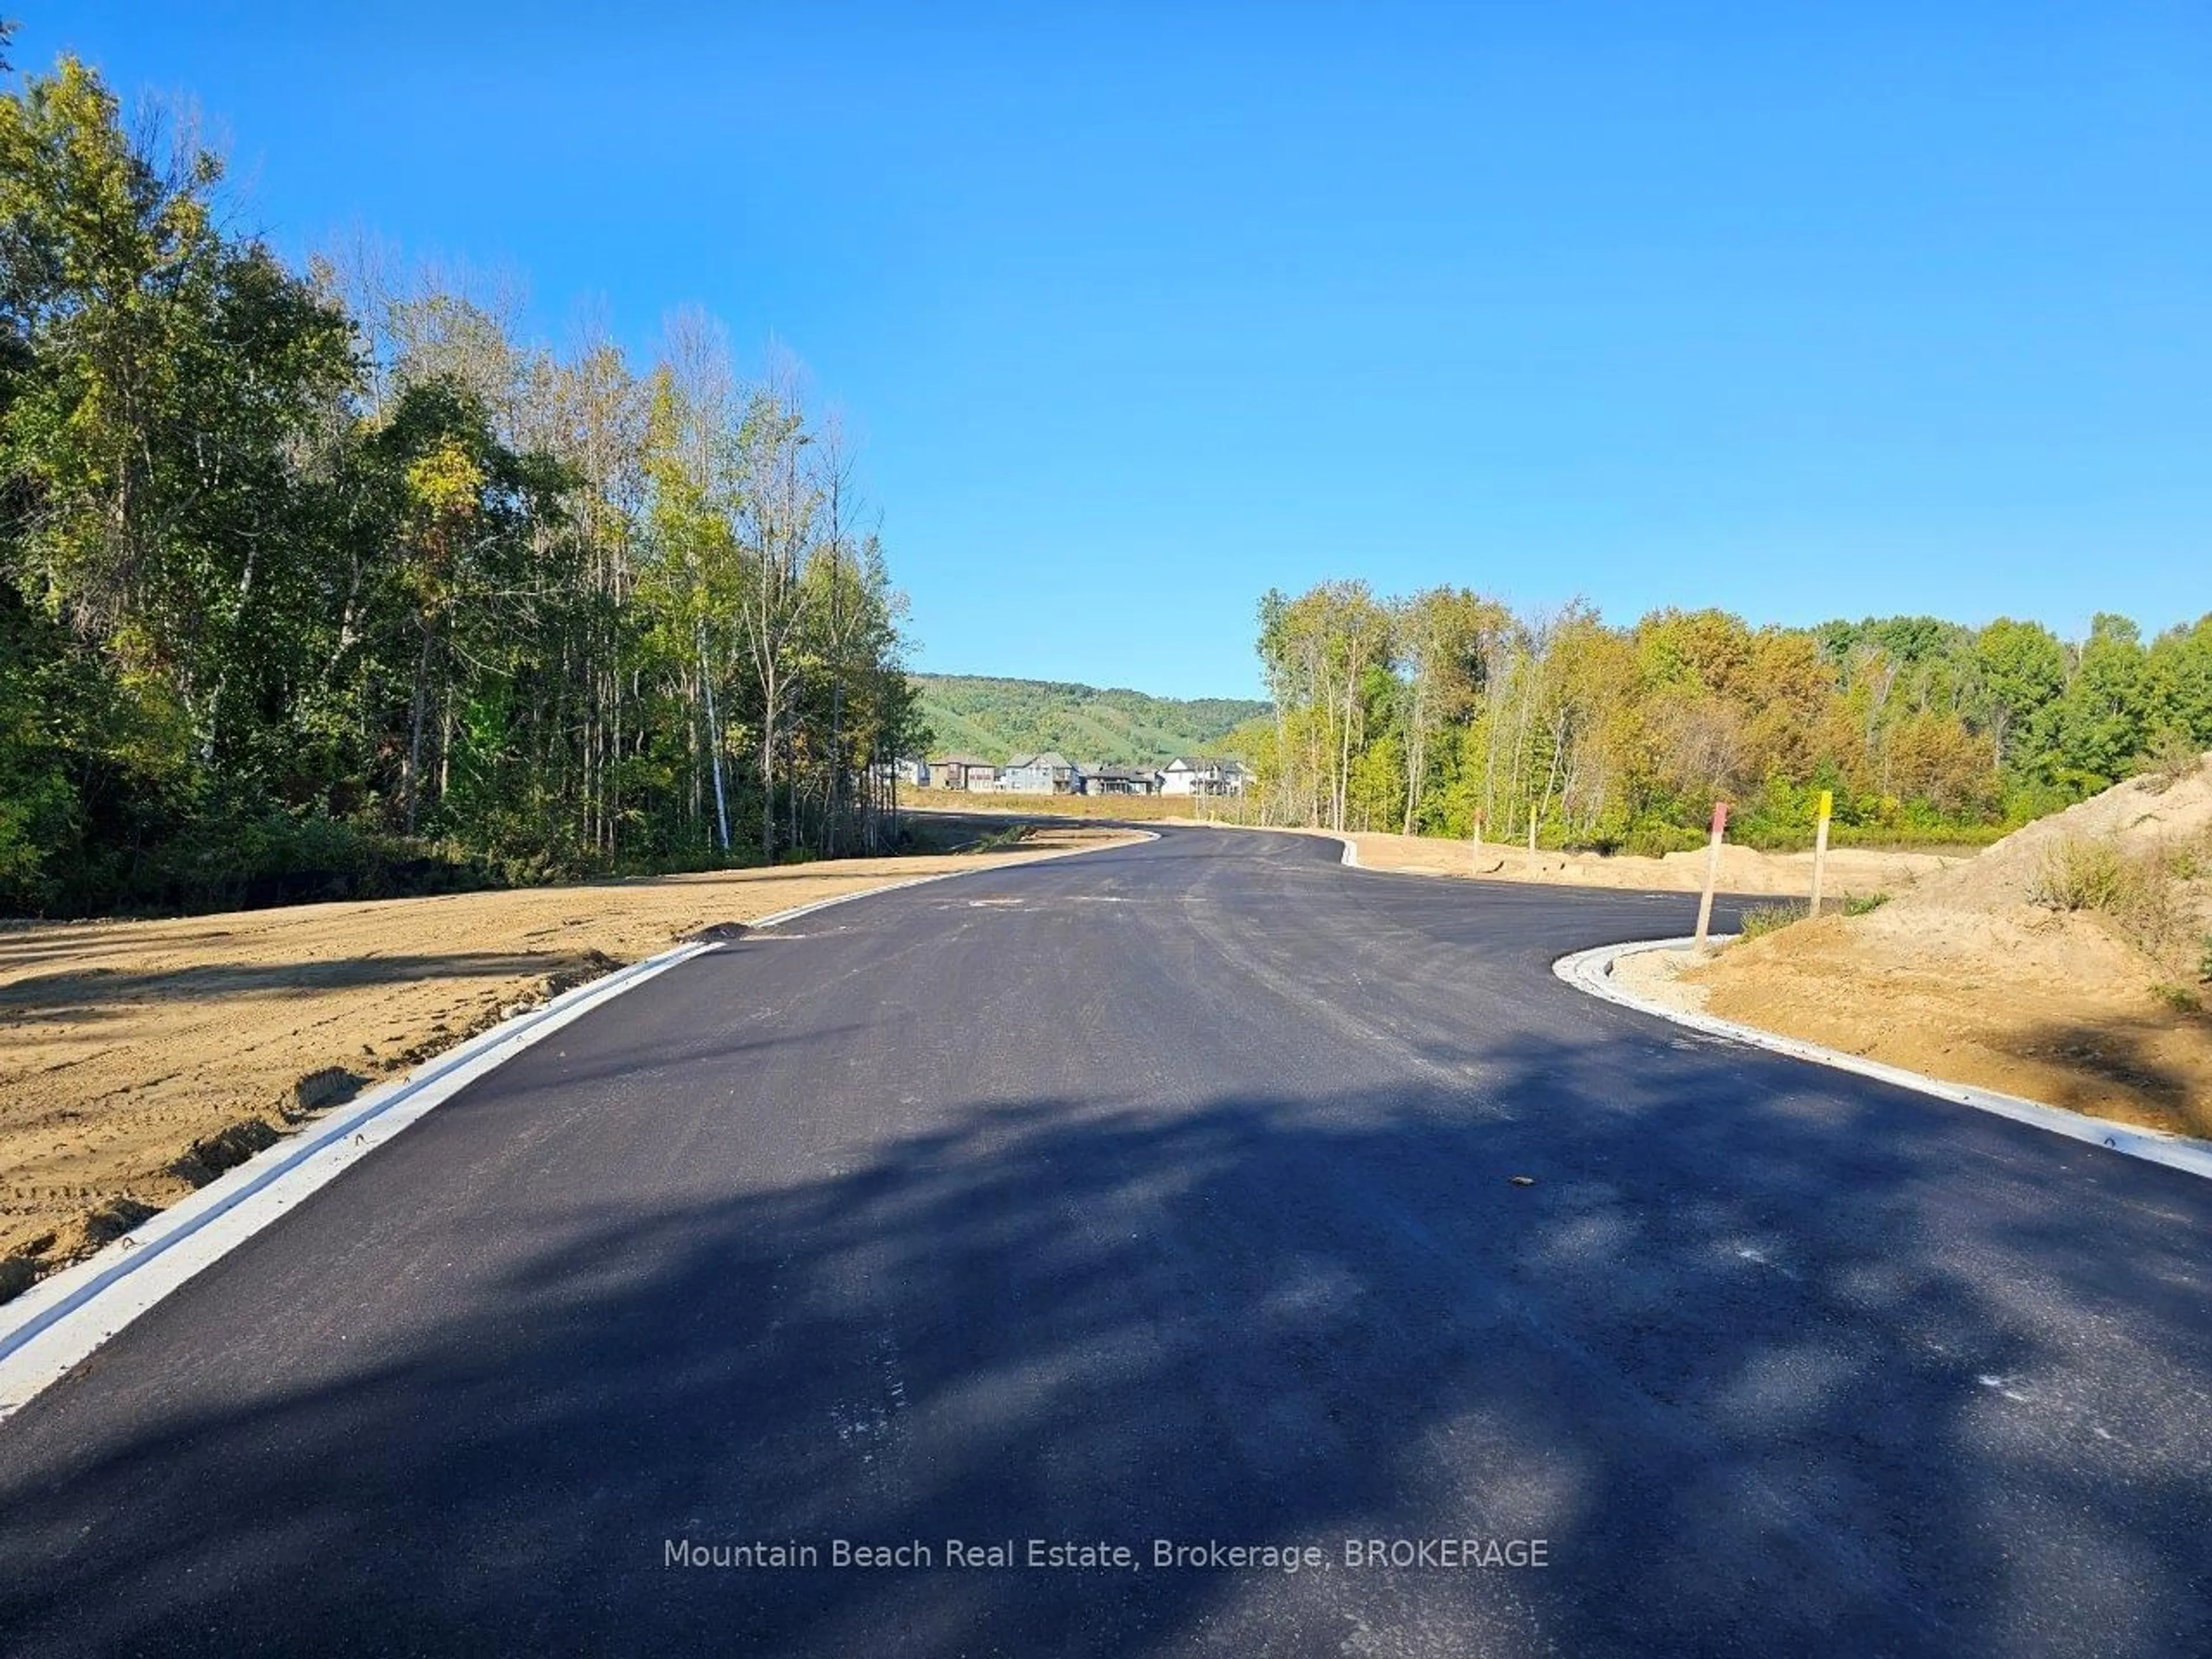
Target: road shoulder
[{"x": 1594, "y": 972}]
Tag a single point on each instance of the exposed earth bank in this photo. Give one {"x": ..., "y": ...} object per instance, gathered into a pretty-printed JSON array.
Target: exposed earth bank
[
  {"x": 2065, "y": 964},
  {"x": 1857, "y": 872}
]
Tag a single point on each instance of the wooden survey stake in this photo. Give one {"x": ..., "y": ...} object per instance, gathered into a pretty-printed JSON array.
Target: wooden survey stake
[
  {"x": 1821, "y": 847},
  {"x": 1712, "y": 871}
]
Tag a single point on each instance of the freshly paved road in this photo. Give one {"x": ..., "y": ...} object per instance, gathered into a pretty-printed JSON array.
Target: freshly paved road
[{"x": 1161, "y": 1192}]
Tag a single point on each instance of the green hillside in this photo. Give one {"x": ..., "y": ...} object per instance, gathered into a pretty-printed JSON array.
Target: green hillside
[{"x": 996, "y": 719}]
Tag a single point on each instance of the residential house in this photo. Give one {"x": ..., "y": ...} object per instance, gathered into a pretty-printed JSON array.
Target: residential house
[
  {"x": 963, "y": 772},
  {"x": 1119, "y": 780},
  {"x": 1188, "y": 776},
  {"x": 1049, "y": 774}
]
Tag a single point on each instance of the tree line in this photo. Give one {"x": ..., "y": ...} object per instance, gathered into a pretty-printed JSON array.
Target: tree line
[
  {"x": 322, "y": 581},
  {"x": 1430, "y": 714}
]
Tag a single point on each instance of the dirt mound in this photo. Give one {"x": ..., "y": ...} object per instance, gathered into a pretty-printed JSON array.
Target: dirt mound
[
  {"x": 1851, "y": 872},
  {"x": 2145, "y": 816},
  {"x": 2064, "y": 964}
]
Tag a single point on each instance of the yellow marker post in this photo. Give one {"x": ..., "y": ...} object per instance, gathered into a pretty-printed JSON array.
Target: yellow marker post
[{"x": 1820, "y": 846}]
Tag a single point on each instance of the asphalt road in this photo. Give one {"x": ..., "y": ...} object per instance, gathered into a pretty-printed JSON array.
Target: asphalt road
[{"x": 1162, "y": 1194}]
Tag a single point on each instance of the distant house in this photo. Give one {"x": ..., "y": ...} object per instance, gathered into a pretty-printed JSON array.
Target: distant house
[
  {"x": 1049, "y": 774},
  {"x": 1119, "y": 780},
  {"x": 963, "y": 772},
  {"x": 1188, "y": 776},
  {"x": 907, "y": 772}
]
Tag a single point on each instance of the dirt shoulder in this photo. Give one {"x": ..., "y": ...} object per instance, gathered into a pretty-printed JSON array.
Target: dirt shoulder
[
  {"x": 1853, "y": 872},
  {"x": 1983, "y": 976},
  {"x": 138, "y": 1059},
  {"x": 1141, "y": 809},
  {"x": 2047, "y": 1015}
]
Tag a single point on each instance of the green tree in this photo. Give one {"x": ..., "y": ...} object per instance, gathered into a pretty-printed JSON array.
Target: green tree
[
  {"x": 2179, "y": 677},
  {"x": 2020, "y": 668},
  {"x": 2101, "y": 718}
]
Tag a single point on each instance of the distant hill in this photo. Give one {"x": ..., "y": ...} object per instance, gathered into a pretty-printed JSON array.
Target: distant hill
[{"x": 996, "y": 719}]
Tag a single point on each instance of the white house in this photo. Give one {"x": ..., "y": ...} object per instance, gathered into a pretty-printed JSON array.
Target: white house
[{"x": 1187, "y": 776}]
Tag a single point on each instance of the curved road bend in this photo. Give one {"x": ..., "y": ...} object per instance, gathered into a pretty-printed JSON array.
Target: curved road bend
[{"x": 1159, "y": 1194}]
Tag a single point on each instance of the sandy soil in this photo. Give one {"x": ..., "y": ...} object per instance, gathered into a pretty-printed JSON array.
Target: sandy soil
[
  {"x": 139, "y": 1059},
  {"x": 1852, "y": 872},
  {"x": 1966, "y": 977}
]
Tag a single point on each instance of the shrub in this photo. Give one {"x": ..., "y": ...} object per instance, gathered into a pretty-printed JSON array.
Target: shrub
[
  {"x": 1763, "y": 919},
  {"x": 2081, "y": 872},
  {"x": 1922, "y": 838},
  {"x": 2145, "y": 894},
  {"x": 2172, "y": 756},
  {"x": 1655, "y": 841},
  {"x": 2205, "y": 962}
]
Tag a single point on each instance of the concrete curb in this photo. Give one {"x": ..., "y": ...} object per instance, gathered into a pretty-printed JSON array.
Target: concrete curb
[
  {"x": 55, "y": 1325},
  {"x": 61, "y": 1319},
  {"x": 1592, "y": 971}
]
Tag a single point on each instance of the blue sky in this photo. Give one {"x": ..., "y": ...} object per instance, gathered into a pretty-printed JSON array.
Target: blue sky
[{"x": 1138, "y": 310}]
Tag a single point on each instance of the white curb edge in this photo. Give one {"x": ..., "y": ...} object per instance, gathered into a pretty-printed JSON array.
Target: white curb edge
[
  {"x": 46, "y": 1330},
  {"x": 56, "y": 1324},
  {"x": 1592, "y": 971}
]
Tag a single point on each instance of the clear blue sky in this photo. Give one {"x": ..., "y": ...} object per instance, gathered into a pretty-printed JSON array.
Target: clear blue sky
[{"x": 1141, "y": 309}]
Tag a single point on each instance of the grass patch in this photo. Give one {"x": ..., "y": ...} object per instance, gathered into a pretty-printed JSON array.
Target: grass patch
[
  {"x": 1222, "y": 809},
  {"x": 2081, "y": 872},
  {"x": 1763, "y": 919},
  {"x": 1864, "y": 904},
  {"x": 2179, "y": 998},
  {"x": 2148, "y": 895},
  {"x": 1655, "y": 841},
  {"x": 1949, "y": 840}
]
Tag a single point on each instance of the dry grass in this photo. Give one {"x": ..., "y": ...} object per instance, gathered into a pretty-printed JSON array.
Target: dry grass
[
  {"x": 2081, "y": 872},
  {"x": 1763, "y": 919},
  {"x": 2149, "y": 893},
  {"x": 1141, "y": 808}
]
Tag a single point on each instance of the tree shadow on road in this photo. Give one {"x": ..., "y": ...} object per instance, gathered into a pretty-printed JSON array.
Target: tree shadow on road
[{"x": 1738, "y": 1369}]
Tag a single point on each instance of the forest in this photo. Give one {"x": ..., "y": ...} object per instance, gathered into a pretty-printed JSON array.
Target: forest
[
  {"x": 320, "y": 581},
  {"x": 1430, "y": 713}
]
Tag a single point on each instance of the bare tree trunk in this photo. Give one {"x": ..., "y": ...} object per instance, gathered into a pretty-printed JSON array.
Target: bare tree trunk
[
  {"x": 768, "y": 762},
  {"x": 713, "y": 746},
  {"x": 1416, "y": 753},
  {"x": 411, "y": 788}
]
